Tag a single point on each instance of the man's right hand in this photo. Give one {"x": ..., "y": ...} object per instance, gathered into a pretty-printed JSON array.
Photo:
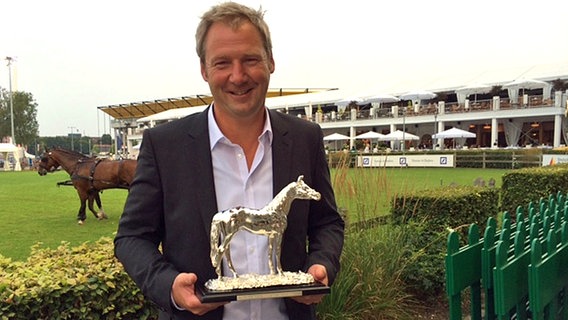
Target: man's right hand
[{"x": 183, "y": 293}]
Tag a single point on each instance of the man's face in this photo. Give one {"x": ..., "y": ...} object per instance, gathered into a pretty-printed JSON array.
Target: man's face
[{"x": 237, "y": 69}]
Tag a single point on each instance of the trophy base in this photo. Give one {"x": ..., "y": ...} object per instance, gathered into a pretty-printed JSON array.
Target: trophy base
[{"x": 287, "y": 291}]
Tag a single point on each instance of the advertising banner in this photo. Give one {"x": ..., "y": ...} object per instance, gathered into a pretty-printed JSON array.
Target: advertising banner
[{"x": 412, "y": 160}]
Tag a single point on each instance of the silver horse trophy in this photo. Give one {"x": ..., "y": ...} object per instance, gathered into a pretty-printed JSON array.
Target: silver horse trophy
[{"x": 270, "y": 221}]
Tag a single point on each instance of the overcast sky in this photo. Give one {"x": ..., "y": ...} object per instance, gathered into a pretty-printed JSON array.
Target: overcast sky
[{"x": 75, "y": 56}]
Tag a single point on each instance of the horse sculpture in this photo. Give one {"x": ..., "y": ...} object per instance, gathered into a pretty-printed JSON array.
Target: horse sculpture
[
  {"x": 89, "y": 175},
  {"x": 270, "y": 221}
]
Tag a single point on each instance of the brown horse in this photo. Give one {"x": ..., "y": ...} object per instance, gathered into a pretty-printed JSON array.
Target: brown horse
[{"x": 89, "y": 175}]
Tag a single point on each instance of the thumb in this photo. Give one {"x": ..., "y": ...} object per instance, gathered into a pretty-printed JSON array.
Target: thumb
[
  {"x": 319, "y": 273},
  {"x": 188, "y": 278}
]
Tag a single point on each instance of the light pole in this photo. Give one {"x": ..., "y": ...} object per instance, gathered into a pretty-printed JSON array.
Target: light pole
[
  {"x": 72, "y": 133},
  {"x": 9, "y": 59},
  {"x": 435, "y": 127},
  {"x": 403, "y": 129}
]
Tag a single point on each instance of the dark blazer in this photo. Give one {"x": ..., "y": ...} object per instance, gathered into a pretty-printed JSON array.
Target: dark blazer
[{"x": 172, "y": 201}]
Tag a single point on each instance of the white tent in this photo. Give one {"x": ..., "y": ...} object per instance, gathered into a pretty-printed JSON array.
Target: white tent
[
  {"x": 514, "y": 87},
  {"x": 479, "y": 88},
  {"x": 7, "y": 148}
]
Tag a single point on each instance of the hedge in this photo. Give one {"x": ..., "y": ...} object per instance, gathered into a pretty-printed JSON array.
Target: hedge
[
  {"x": 429, "y": 214},
  {"x": 83, "y": 282},
  {"x": 530, "y": 184}
]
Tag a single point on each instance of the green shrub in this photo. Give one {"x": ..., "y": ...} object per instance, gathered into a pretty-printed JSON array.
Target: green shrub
[
  {"x": 530, "y": 184},
  {"x": 428, "y": 215},
  {"x": 369, "y": 285},
  {"x": 84, "y": 282}
]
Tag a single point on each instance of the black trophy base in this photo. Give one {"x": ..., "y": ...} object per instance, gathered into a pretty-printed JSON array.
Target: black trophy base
[{"x": 288, "y": 291}]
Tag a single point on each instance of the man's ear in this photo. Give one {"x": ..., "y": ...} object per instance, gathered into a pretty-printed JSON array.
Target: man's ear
[
  {"x": 271, "y": 65},
  {"x": 203, "y": 71}
]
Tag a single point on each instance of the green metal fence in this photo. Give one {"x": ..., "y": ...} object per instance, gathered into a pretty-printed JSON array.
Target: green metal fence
[{"x": 518, "y": 272}]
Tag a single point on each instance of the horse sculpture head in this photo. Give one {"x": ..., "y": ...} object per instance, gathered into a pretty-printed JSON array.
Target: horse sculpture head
[
  {"x": 303, "y": 191},
  {"x": 47, "y": 164}
]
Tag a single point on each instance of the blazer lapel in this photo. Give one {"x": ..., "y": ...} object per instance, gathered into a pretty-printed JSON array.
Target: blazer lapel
[
  {"x": 281, "y": 153},
  {"x": 203, "y": 185}
]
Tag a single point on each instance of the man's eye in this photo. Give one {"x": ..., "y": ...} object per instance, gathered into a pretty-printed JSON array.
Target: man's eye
[
  {"x": 221, "y": 64},
  {"x": 252, "y": 61}
]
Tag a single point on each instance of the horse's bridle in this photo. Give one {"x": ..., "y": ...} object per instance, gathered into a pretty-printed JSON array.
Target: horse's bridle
[{"x": 43, "y": 165}]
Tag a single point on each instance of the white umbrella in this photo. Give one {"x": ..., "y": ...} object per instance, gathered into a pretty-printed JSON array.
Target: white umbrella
[
  {"x": 453, "y": 133},
  {"x": 335, "y": 136},
  {"x": 399, "y": 135},
  {"x": 418, "y": 95},
  {"x": 370, "y": 135}
]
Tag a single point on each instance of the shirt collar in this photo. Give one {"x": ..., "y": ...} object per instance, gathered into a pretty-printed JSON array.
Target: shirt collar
[{"x": 215, "y": 134}]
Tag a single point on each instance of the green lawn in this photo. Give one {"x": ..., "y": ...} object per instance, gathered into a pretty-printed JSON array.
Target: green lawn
[
  {"x": 33, "y": 209},
  {"x": 367, "y": 192}
]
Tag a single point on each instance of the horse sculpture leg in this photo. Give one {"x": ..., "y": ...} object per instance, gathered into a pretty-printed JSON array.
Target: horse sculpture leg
[
  {"x": 271, "y": 248},
  {"x": 218, "y": 229},
  {"x": 278, "y": 245}
]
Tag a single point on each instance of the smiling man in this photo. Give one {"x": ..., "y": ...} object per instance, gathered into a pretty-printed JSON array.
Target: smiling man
[{"x": 235, "y": 153}]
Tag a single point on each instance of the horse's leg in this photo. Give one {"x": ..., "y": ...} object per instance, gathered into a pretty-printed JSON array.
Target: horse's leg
[
  {"x": 101, "y": 214},
  {"x": 91, "y": 198},
  {"x": 82, "y": 216}
]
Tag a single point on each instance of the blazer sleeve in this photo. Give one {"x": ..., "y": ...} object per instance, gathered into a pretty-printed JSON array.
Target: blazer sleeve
[
  {"x": 141, "y": 229},
  {"x": 325, "y": 225}
]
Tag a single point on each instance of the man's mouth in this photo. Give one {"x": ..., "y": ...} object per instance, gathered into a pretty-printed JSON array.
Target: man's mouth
[{"x": 241, "y": 92}]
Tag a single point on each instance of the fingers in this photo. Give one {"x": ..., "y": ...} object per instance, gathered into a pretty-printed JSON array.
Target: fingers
[
  {"x": 319, "y": 273},
  {"x": 183, "y": 294},
  {"x": 312, "y": 299}
]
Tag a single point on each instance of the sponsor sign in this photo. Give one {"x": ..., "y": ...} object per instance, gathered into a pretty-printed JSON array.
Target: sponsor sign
[
  {"x": 552, "y": 159},
  {"x": 413, "y": 160}
]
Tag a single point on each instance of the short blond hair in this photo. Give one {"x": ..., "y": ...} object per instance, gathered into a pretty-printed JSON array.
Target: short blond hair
[{"x": 233, "y": 14}]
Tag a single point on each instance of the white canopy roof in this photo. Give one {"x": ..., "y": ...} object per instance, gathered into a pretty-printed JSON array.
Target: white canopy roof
[{"x": 176, "y": 113}]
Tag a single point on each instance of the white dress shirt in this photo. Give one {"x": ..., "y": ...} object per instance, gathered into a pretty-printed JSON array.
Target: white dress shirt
[{"x": 236, "y": 185}]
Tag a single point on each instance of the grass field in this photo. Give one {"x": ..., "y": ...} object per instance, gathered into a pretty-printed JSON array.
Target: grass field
[{"x": 33, "y": 209}]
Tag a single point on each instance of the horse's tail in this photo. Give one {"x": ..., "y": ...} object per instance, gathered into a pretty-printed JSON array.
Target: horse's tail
[{"x": 215, "y": 234}]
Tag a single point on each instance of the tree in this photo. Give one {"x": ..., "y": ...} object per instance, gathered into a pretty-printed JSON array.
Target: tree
[{"x": 25, "y": 113}]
